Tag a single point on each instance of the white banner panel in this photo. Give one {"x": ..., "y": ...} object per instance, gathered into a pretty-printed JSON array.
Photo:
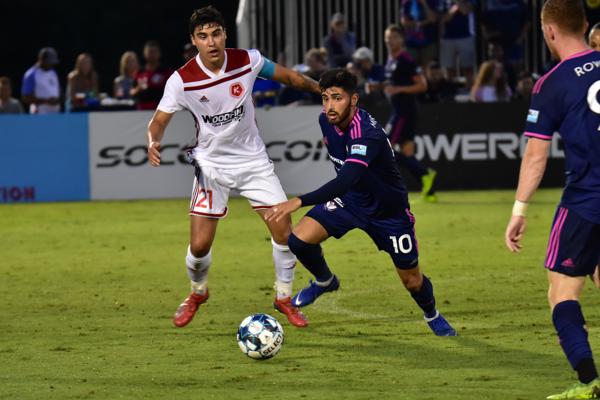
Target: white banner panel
[{"x": 119, "y": 167}]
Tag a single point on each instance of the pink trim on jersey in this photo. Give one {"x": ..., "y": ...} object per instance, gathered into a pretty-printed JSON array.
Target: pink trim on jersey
[
  {"x": 219, "y": 81},
  {"x": 538, "y": 135},
  {"x": 538, "y": 85},
  {"x": 356, "y": 131},
  {"x": 354, "y": 160},
  {"x": 554, "y": 241},
  {"x": 338, "y": 130}
]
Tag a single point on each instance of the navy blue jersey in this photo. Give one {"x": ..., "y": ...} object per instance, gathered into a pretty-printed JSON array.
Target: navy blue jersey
[
  {"x": 565, "y": 100},
  {"x": 380, "y": 192},
  {"x": 400, "y": 71}
]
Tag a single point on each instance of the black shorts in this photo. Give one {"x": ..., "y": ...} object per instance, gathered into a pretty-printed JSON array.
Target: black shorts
[
  {"x": 401, "y": 129},
  {"x": 395, "y": 236},
  {"x": 574, "y": 245}
]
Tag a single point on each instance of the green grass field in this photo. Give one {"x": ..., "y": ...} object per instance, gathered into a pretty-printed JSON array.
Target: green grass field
[{"x": 88, "y": 291}]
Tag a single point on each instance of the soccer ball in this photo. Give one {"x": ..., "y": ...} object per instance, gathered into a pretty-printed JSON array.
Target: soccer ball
[{"x": 260, "y": 336}]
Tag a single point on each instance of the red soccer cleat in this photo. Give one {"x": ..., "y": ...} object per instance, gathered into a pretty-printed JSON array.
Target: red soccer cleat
[
  {"x": 292, "y": 313},
  {"x": 186, "y": 311}
]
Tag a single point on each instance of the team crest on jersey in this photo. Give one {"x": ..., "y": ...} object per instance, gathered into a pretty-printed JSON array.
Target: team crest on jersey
[
  {"x": 236, "y": 89},
  {"x": 532, "y": 116}
]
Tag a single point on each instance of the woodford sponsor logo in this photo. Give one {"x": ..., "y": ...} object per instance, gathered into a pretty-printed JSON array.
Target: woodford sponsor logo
[{"x": 225, "y": 118}]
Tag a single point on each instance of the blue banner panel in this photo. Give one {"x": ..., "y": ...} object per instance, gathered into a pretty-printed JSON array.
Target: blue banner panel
[{"x": 44, "y": 158}]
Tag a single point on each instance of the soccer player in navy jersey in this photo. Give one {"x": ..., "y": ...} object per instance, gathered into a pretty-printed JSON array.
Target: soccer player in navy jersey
[
  {"x": 565, "y": 100},
  {"x": 368, "y": 193}
]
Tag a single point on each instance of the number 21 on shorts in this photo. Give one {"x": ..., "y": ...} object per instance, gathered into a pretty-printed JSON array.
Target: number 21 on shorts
[
  {"x": 206, "y": 199},
  {"x": 402, "y": 244}
]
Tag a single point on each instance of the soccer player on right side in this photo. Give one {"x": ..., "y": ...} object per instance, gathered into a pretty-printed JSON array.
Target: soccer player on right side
[{"x": 566, "y": 100}]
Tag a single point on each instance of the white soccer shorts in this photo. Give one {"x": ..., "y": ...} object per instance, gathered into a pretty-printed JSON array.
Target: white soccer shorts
[{"x": 212, "y": 185}]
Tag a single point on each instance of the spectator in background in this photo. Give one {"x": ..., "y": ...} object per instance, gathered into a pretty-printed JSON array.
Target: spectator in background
[
  {"x": 594, "y": 37},
  {"x": 496, "y": 53},
  {"x": 82, "y": 83},
  {"x": 129, "y": 67},
  {"x": 524, "y": 86},
  {"x": 439, "y": 88},
  {"x": 340, "y": 43},
  {"x": 315, "y": 63},
  {"x": 189, "y": 51},
  {"x": 41, "y": 88},
  {"x": 370, "y": 78},
  {"x": 457, "y": 45},
  {"x": 490, "y": 84},
  {"x": 151, "y": 81},
  {"x": 420, "y": 21},
  {"x": 8, "y": 104},
  {"x": 508, "y": 22},
  {"x": 404, "y": 81}
]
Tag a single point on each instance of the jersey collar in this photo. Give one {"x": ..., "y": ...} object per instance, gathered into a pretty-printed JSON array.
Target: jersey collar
[{"x": 209, "y": 72}]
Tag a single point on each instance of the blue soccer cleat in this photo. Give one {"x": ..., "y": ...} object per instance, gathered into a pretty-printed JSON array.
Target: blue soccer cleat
[
  {"x": 310, "y": 293},
  {"x": 440, "y": 326}
]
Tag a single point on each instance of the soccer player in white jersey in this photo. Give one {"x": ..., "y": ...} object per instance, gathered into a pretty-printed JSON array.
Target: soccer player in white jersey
[{"x": 216, "y": 87}]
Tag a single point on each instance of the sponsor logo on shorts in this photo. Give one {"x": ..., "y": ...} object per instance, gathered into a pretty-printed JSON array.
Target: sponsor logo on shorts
[
  {"x": 532, "y": 116},
  {"x": 359, "y": 149},
  {"x": 568, "y": 263},
  {"x": 225, "y": 118}
]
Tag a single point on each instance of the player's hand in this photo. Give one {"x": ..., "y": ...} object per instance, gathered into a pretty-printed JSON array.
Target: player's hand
[
  {"x": 514, "y": 233},
  {"x": 154, "y": 153},
  {"x": 280, "y": 210}
]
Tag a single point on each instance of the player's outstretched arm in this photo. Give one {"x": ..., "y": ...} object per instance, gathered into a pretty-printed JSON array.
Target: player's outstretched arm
[
  {"x": 532, "y": 171},
  {"x": 295, "y": 79},
  {"x": 156, "y": 130},
  {"x": 349, "y": 174}
]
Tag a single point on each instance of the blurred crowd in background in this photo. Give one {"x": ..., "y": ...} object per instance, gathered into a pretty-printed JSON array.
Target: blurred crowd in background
[{"x": 434, "y": 42}]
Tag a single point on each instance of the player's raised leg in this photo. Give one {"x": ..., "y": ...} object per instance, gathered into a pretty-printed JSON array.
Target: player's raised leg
[
  {"x": 197, "y": 260},
  {"x": 305, "y": 244},
  {"x": 285, "y": 264}
]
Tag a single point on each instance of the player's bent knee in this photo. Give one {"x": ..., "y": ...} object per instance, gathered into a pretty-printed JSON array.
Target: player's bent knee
[
  {"x": 298, "y": 246},
  {"x": 199, "y": 249},
  {"x": 412, "y": 280}
]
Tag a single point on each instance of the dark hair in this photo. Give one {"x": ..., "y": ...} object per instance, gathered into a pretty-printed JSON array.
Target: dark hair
[
  {"x": 5, "y": 80},
  {"x": 152, "y": 43},
  {"x": 569, "y": 15},
  {"x": 205, "y": 15},
  {"x": 338, "y": 77},
  {"x": 399, "y": 29}
]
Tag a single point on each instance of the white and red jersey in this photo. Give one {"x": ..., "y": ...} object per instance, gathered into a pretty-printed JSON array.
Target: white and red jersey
[{"x": 222, "y": 106}]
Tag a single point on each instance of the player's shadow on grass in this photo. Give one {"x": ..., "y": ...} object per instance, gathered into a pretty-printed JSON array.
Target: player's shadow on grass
[{"x": 461, "y": 352}]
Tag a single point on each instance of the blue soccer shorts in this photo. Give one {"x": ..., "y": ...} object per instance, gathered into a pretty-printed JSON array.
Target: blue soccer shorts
[
  {"x": 395, "y": 236},
  {"x": 574, "y": 245}
]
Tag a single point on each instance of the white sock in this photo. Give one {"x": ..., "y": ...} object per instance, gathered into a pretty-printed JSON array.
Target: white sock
[
  {"x": 197, "y": 270},
  {"x": 326, "y": 283},
  {"x": 285, "y": 263}
]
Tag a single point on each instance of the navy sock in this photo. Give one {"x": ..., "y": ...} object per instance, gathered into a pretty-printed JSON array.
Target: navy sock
[
  {"x": 311, "y": 256},
  {"x": 424, "y": 298},
  {"x": 570, "y": 326},
  {"x": 411, "y": 164}
]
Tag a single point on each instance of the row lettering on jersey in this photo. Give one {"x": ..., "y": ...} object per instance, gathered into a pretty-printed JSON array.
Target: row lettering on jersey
[{"x": 586, "y": 67}]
